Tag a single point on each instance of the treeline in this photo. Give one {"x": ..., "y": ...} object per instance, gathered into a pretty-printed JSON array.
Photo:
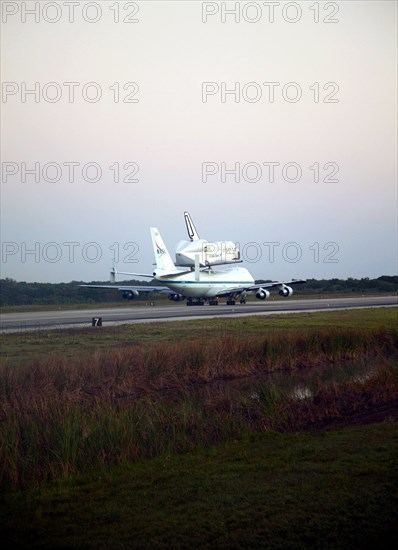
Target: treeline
[
  {"x": 385, "y": 283},
  {"x": 381, "y": 284},
  {"x": 14, "y": 293}
]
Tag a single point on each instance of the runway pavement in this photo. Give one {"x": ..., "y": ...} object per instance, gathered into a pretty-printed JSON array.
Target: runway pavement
[{"x": 11, "y": 322}]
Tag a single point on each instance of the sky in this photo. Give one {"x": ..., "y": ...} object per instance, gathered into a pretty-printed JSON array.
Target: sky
[{"x": 273, "y": 124}]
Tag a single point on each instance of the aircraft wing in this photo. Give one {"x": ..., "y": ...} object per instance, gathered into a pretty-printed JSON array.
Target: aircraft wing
[
  {"x": 131, "y": 288},
  {"x": 273, "y": 284}
]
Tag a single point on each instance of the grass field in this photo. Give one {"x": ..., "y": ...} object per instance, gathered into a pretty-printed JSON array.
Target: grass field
[
  {"x": 330, "y": 490},
  {"x": 27, "y": 345},
  {"x": 108, "y": 439}
]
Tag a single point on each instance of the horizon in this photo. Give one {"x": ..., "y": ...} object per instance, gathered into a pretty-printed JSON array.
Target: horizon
[{"x": 275, "y": 131}]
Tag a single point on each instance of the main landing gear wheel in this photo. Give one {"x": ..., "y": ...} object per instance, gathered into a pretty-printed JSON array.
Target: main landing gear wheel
[
  {"x": 190, "y": 302},
  {"x": 230, "y": 302}
]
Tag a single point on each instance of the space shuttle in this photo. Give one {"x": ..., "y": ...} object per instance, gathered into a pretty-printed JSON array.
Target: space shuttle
[{"x": 210, "y": 253}]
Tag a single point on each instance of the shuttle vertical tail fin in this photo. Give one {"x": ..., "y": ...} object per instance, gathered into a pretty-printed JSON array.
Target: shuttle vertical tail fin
[
  {"x": 192, "y": 233},
  {"x": 162, "y": 257}
]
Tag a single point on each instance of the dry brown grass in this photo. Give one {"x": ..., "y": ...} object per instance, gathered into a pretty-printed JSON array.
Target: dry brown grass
[{"x": 58, "y": 415}]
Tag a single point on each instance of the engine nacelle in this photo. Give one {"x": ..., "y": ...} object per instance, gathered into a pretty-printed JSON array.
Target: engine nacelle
[
  {"x": 130, "y": 294},
  {"x": 262, "y": 294},
  {"x": 286, "y": 291},
  {"x": 175, "y": 297}
]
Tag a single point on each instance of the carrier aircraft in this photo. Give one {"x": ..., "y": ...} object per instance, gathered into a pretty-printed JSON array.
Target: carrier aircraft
[{"x": 197, "y": 284}]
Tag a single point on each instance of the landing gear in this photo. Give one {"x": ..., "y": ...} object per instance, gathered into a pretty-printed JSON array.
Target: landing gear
[
  {"x": 232, "y": 299},
  {"x": 197, "y": 302},
  {"x": 213, "y": 302}
]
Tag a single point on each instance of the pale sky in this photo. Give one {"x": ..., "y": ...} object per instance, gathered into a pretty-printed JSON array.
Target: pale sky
[{"x": 333, "y": 109}]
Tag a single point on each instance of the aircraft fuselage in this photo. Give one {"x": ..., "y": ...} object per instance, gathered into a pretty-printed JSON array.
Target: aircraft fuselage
[{"x": 209, "y": 284}]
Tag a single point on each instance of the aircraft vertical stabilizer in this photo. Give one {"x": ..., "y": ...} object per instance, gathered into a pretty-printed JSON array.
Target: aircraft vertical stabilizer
[
  {"x": 192, "y": 233},
  {"x": 162, "y": 257}
]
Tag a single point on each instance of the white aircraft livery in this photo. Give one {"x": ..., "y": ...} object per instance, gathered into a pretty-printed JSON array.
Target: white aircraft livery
[
  {"x": 210, "y": 253},
  {"x": 199, "y": 284}
]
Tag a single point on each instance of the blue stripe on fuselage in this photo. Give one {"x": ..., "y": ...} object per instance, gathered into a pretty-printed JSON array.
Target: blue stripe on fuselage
[{"x": 205, "y": 282}]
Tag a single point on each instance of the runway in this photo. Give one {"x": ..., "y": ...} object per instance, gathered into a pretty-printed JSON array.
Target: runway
[{"x": 11, "y": 322}]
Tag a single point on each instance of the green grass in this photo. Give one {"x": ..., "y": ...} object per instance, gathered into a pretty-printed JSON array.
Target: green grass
[
  {"x": 61, "y": 415},
  {"x": 90, "y": 409},
  {"x": 333, "y": 489},
  {"x": 74, "y": 342}
]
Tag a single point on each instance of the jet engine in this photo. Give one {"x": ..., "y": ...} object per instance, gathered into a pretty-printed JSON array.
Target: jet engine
[
  {"x": 130, "y": 294},
  {"x": 262, "y": 294},
  {"x": 285, "y": 291},
  {"x": 175, "y": 297}
]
